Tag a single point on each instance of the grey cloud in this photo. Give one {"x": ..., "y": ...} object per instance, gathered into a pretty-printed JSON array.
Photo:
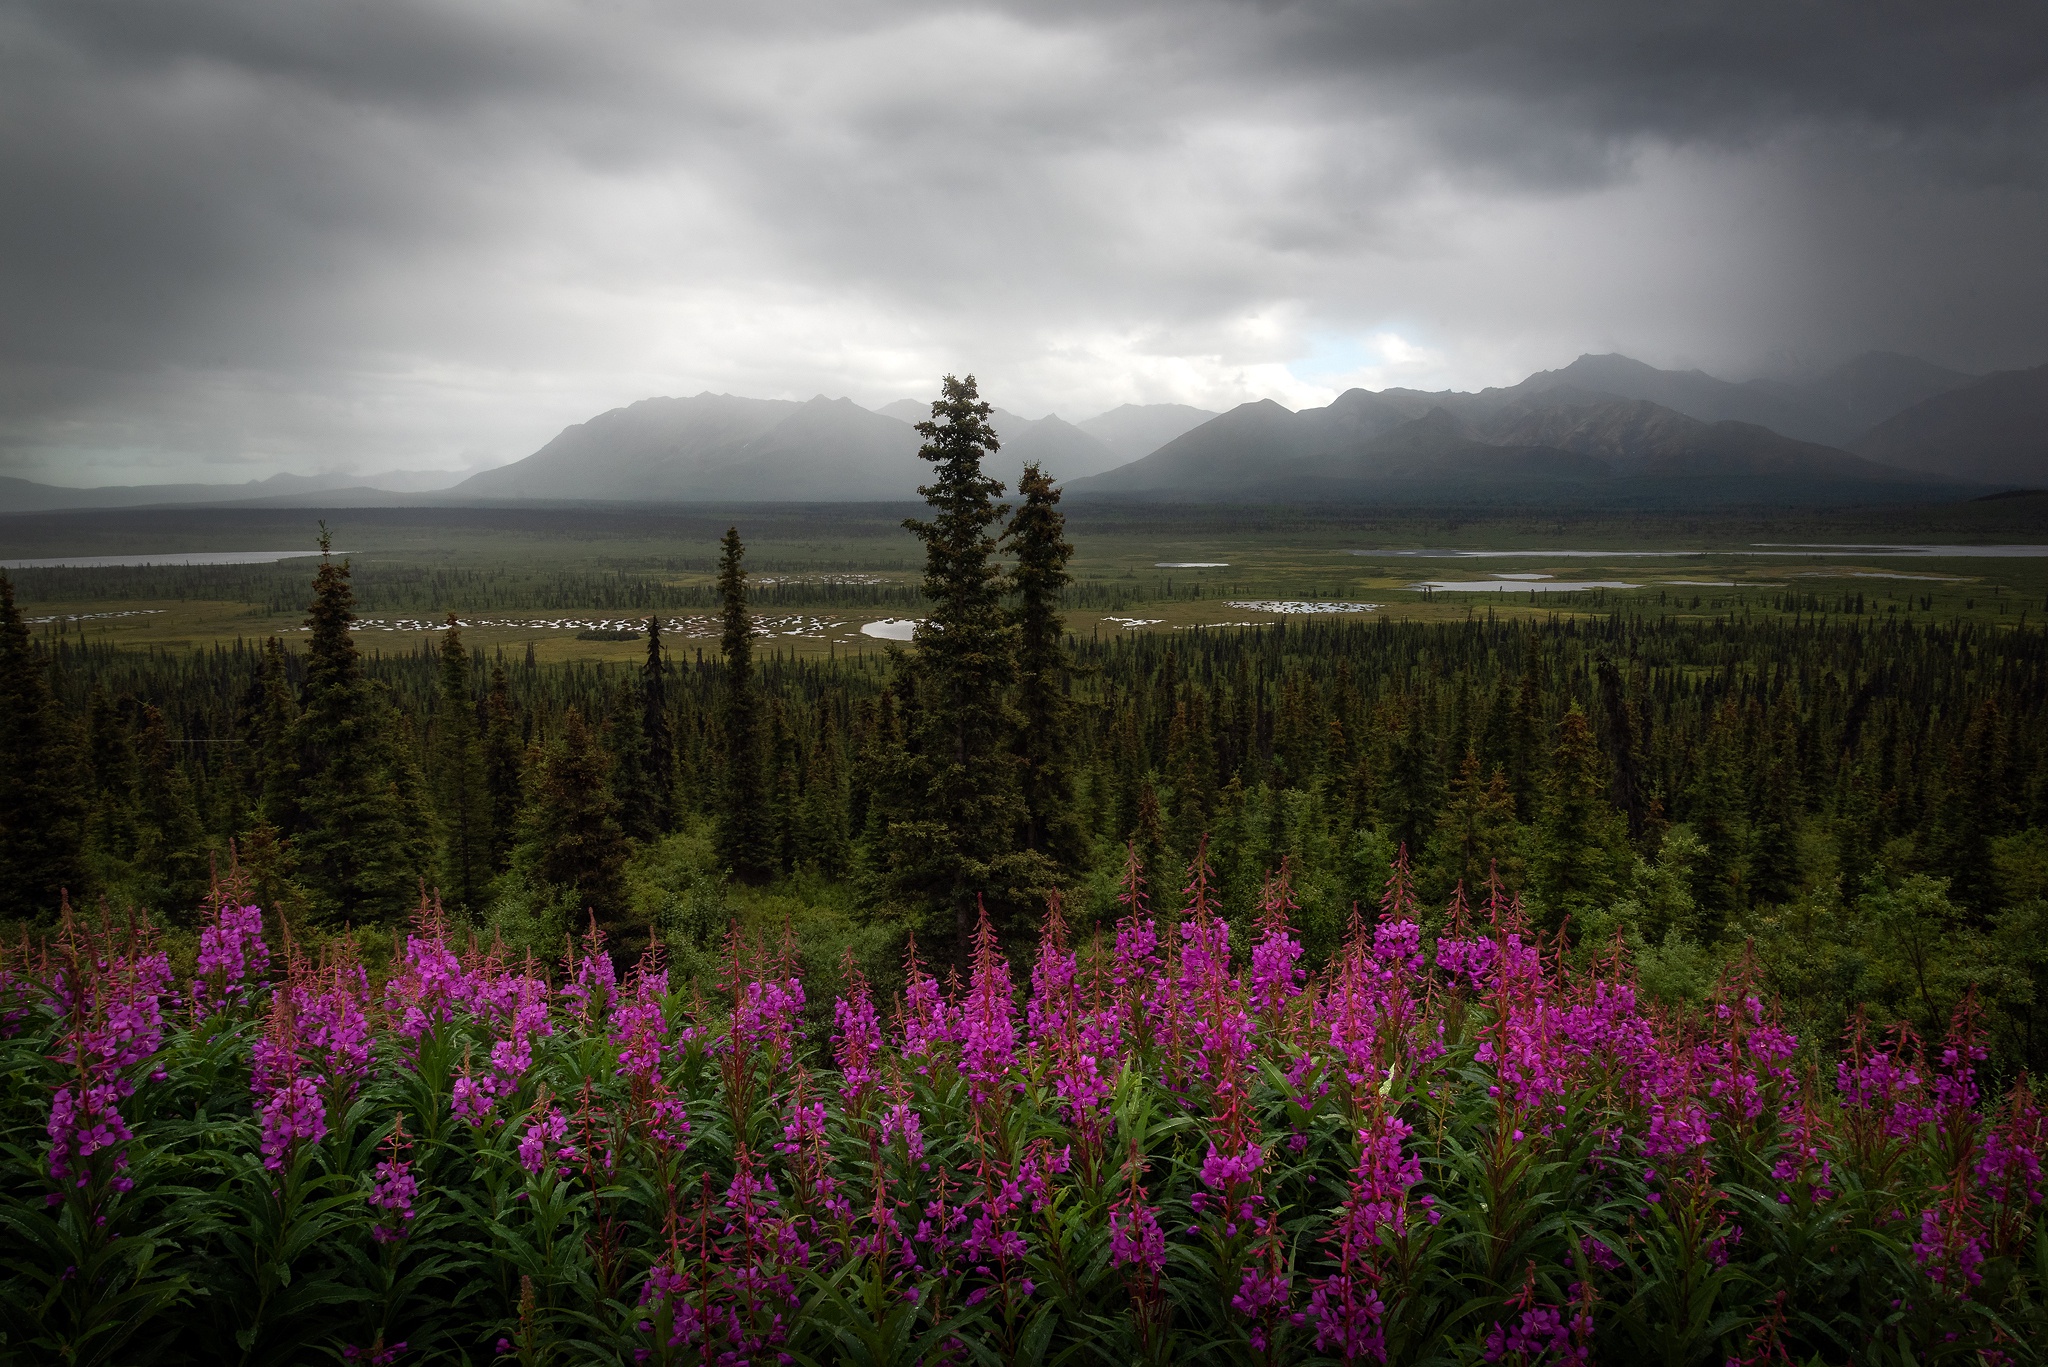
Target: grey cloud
[{"x": 384, "y": 233}]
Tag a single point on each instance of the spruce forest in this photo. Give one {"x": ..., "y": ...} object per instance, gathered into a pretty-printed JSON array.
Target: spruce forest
[{"x": 1606, "y": 987}]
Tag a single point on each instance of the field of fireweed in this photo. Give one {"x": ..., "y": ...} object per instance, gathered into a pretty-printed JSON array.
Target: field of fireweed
[{"x": 1443, "y": 1148}]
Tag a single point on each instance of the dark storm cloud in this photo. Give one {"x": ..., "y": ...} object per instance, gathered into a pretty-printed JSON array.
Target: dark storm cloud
[{"x": 321, "y": 235}]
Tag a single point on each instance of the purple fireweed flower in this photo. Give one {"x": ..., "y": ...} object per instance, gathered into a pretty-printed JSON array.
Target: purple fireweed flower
[
  {"x": 423, "y": 993},
  {"x": 547, "y": 1130},
  {"x": 1263, "y": 1295},
  {"x": 1135, "y": 1238},
  {"x": 988, "y": 1029},
  {"x": 294, "y": 1114},
  {"x": 1350, "y": 1318},
  {"x": 856, "y": 1040},
  {"x": 1051, "y": 1010},
  {"x": 113, "y": 1012},
  {"x": 335, "y": 1031},
  {"x": 902, "y": 1122},
  {"x": 233, "y": 960},
  {"x": 1220, "y": 1170},
  {"x": 393, "y": 1190},
  {"x": 1542, "y": 1334},
  {"x": 765, "y": 1018}
]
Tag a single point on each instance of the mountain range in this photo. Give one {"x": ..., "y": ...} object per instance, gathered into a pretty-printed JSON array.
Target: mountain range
[
  {"x": 1608, "y": 428},
  {"x": 1880, "y": 427}
]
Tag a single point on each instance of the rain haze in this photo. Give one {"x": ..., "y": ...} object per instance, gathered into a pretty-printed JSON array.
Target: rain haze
[{"x": 245, "y": 239}]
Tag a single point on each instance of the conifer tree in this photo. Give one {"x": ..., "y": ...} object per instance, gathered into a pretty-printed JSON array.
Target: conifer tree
[
  {"x": 40, "y": 775},
  {"x": 1581, "y": 842},
  {"x": 1715, "y": 811},
  {"x": 658, "y": 755},
  {"x": 459, "y": 783},
  {"x": 504, "y": 763},
  {"x": 966, "y": 660},
  {"x": 1475, "y": 834},
  {"x": 570, "y": 834},
  {"x": 743, "y": 834},
  {"x": 1524, "y": 737},
  {"x": 1191, "y": 770},
  {"x": 1045, "y": 741},
  {"x": 357, "y": 854},
  {"x": 171, "y": 849},
  {"x": 112, "y": 826},
  {"x": 627, "y": 741},
  {"x": 277, "y": 743},
  {"x": 821, "y": 826}
]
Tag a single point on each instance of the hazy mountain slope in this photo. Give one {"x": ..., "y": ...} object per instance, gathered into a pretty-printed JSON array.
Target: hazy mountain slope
[
  {"x": 1694, "y": 393},
  {"x": 1860, "y": 393},
  {"x": 1503, "y": 446},
  {"x": 1437, "y": 447},
  {"x": 1139, "y": 429},
  {"x": 1212, "y": 459},
  {"x": 1647, "y": 439},
  {"x": 1829, "y": 408},
  {"x": 1994, "y": 430},
  {"x": 1058, "y": 447},
  {"x": 650, "y": 449},
  {"x": 906, "y": 410},
  {"x": 826, "y": 450}
]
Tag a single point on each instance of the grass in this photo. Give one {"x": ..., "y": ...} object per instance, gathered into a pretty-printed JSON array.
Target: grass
[{"x": 541, "y": 576}]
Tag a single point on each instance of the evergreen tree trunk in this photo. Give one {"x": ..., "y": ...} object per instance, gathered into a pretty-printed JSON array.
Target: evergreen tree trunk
[
  {"x": 966, "y": 661},
  {"x": 743, "y": 837},
  {"x": 461, "y": 789},
  {"x": 1045, "y": 741},
  {"x": 357, "y": 853},
  {"x": 504, "y": 755},
  {"x": 571, "y": 827},
  {"x": 658, "y": 736}
]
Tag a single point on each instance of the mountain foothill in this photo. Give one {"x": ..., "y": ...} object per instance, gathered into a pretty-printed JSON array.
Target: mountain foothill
[{"x": 1602, "y": 430}]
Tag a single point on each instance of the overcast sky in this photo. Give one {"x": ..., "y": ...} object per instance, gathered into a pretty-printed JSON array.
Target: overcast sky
[{"x": 243, "y": 236}]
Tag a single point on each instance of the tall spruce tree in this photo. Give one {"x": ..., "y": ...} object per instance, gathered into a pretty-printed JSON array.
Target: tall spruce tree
[
  {"x": 1045, "y": 739},
  {"x": 744, "y": 839},
  {"x": 171, "y": 851},
  {"x": 571, "y": 837},
  {"x": 658, "y": 755},
  {"x": 277, "y": 743},
  {"x": 42, "y": 783},
  {"x": 356, "y": 854},
  {"x": 461, "y": 787},
  {"x": 966, "y": 662},
  {"x": 1581, "y": 848},
  {"x": 504, "y": 766}
]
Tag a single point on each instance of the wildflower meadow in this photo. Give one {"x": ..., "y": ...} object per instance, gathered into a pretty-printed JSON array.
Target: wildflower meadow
[{"x": 1168, "y": 1144}]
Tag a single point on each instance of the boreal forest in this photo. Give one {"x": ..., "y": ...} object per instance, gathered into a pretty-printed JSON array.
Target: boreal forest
[{"x": 1611, "y": 986}]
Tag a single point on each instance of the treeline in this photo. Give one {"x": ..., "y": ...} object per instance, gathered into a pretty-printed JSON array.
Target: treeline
[{"x": 1860, "y": 803}]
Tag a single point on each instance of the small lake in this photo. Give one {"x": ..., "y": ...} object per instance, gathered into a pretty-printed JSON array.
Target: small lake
[
  {"x": 891, "y": 629},
  {"x": 95, "y": 562}
]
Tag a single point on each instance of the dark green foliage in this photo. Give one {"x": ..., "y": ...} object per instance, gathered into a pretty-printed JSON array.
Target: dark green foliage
[
  {"x": 1045, "y": 741},
  {"x": 745, "y": 836},
  {"x": 960, "y": 842},
  {"x": 42, "y": 795},
  {"x": 1581, "y": 837},
  {"x": 504, "y": 752},
  {"x": 655, "y": 790},
  {"x": 362, "y": 844},
  {"x": 460, "y": 782},
  {"x": 570, "y": 835},
  {"x": 277, "y": 741},
  {"x": 171, "y": 864}
]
